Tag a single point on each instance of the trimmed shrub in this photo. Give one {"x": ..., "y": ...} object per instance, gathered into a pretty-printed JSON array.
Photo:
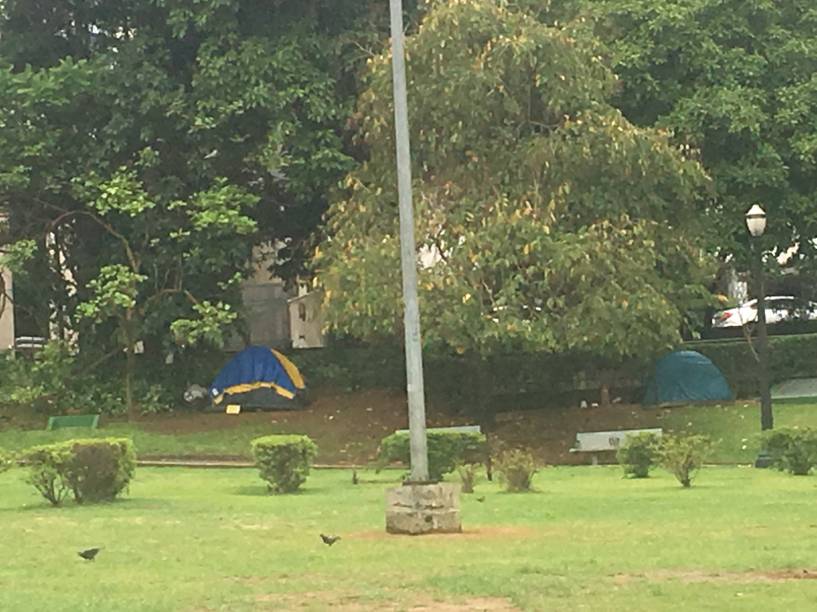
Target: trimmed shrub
[
  {"x": 284, "y": 460},
  {"x": 468, "y": 476},
  {"x": 516, "y": 469},
  {"x": 792, "y": 449},
  {"x": 6, "y": 461},
  {"x": 446, "y": 450},
  {"x": 92, "y": 470},
  {"x": 99, "y": 470},
  {"x": 637, "y": 454},
  {"x": 683, "y": 455}
]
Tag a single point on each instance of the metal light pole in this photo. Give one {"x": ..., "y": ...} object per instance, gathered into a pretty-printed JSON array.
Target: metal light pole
[
  {"x": 756, "y": 224},
  {"x": 408, "y": 255}
]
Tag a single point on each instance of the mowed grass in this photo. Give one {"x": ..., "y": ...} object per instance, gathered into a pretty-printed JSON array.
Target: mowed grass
[
  {"x": 587, "y": 539},
  {"x": 734, "y": 428}
]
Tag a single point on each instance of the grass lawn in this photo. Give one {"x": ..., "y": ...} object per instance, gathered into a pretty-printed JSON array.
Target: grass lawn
[
  {"x": 734, "y": 427},
  {"x": 198, "y": 540}
]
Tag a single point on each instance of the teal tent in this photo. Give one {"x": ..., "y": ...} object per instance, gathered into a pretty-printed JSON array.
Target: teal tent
[{"x": 683, "y": 377}]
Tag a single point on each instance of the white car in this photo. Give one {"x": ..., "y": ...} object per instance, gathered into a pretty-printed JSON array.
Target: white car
[{"x": 778, "y": 308}]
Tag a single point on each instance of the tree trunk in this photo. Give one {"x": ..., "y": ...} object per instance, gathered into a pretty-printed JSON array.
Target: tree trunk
[
  {"x": 130, "y": 364},
  {"x": 604, "y": 395},
  {"x": 607, "y": 377},
  {"x": 486, "y": 415}
]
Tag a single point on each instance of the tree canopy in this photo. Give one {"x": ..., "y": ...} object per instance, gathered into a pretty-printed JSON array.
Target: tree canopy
[
  {"x": 545, "y": 220},
  {"x": 167, "y": 138},
  {"x": 735, "y": 80}
]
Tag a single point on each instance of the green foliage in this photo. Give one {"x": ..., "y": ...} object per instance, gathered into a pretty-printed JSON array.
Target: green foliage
[
  {"x": 209, "y": 327},
  {"x": 526, "y": 241},
  {"x": 446, "y": 450},
  {"x": 637, "y": 454},
  {"x": 44, "y": 382},
  {"x": 468, "y": 476},
  {"x": 46, "y": 471},
  {"x": 790, "y": 357},
  {"x": 516, "y": 469},
  {"x": 93, "y": 470},
  {"x": 683, "y": 455},
  {"x": 55, "y": 381},
  {"x": 156, "y": 160},
  {"x": 792, "y": 449},
  {"x": 734, "y": 79},
  {"x": 14, "y": 257},
  {"x": 7, "y": 460},
  {"x": 114, "y": 292},
  {"x": 284, "y": 460}
]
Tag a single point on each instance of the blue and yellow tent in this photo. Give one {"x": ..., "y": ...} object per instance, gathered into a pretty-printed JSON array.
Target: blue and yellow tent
[{"x": 259, "y": 378}]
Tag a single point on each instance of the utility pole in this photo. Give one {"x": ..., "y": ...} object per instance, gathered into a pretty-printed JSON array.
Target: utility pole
[{"x": 408, "y": 255}]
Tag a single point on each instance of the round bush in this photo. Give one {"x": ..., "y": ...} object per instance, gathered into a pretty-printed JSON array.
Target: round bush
[
  {"x": 683, "y": 455},
  {"x": 516, "y": 469},
  {"x": 792, "y": 449},
  {"x": 637, "y": 454},
  {"x": 284, "y": 460}
]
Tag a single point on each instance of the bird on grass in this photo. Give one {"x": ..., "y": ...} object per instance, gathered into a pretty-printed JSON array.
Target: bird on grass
[
  {"x": 89, "y": 554},
  {"x": 329, "y": 539},
  {"x": 481, "y": 498},
  {"x": 354, "y": 477}
]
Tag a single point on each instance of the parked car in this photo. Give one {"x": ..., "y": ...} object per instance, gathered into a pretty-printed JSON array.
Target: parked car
[{"x": 779, "y": 308}]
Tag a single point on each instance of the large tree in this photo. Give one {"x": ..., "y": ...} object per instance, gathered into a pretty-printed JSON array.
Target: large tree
[
  {"x": 736, "y": 80},
  {"x": 545, "y": 220},
  {"x": 147, "y": 146}
]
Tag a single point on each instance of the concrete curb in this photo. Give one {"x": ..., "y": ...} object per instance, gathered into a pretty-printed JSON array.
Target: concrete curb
[{"x": 204, "y": 463}]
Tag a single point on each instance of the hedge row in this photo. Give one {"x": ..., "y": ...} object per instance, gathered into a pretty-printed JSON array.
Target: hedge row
[
  {"x": 790, "y": 357},
  {"x": 557, "y": 379}
]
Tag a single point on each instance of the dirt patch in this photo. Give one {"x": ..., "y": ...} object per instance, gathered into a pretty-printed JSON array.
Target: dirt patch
[
  {"x": 486, "y": 533},
  {"x": 403, "y": 602},
  {"x": 694, "y": 576},
  {"x": 348, "y": 426}
]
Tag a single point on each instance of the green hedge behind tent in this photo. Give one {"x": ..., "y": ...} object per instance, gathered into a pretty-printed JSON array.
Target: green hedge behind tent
[{"x": 541, "y": 378}]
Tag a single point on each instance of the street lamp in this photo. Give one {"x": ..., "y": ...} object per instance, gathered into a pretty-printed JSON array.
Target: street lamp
[{"x": 756, "y": 224}]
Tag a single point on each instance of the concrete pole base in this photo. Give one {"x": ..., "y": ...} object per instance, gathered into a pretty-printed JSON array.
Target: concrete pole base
[{"x": 415, "y": 509}]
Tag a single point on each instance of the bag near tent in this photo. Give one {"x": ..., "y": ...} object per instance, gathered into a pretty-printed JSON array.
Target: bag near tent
[
  {"x": 259, "y": 378},
  {"x": 684, "y": 377}
]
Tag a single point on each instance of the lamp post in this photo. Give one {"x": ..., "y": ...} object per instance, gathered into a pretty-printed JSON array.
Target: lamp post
[
  {"x": 756, "y": 224},
  {"x": 408, "y": 254}
]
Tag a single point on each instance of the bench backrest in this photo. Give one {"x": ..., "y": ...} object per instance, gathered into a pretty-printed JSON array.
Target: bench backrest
[
  {"x": 74, "y": 420},
  {"x": 456, "y": 429},
  {"x": 607, "y": 440}
]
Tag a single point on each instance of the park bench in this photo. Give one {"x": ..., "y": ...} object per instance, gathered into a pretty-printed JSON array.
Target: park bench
[
  {"x": 453, "y": 429},
  {"x": 74, "y": 420},
  {"x": 601, "y": 441}
]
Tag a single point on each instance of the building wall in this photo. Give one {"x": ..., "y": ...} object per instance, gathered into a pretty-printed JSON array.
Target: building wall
[
  {"x": 265, "y": 307},
  {"x": 306, "y": 321}
]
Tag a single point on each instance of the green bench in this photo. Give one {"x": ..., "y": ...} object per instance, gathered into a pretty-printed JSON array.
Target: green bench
[{"x": 74, "y": 420}]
